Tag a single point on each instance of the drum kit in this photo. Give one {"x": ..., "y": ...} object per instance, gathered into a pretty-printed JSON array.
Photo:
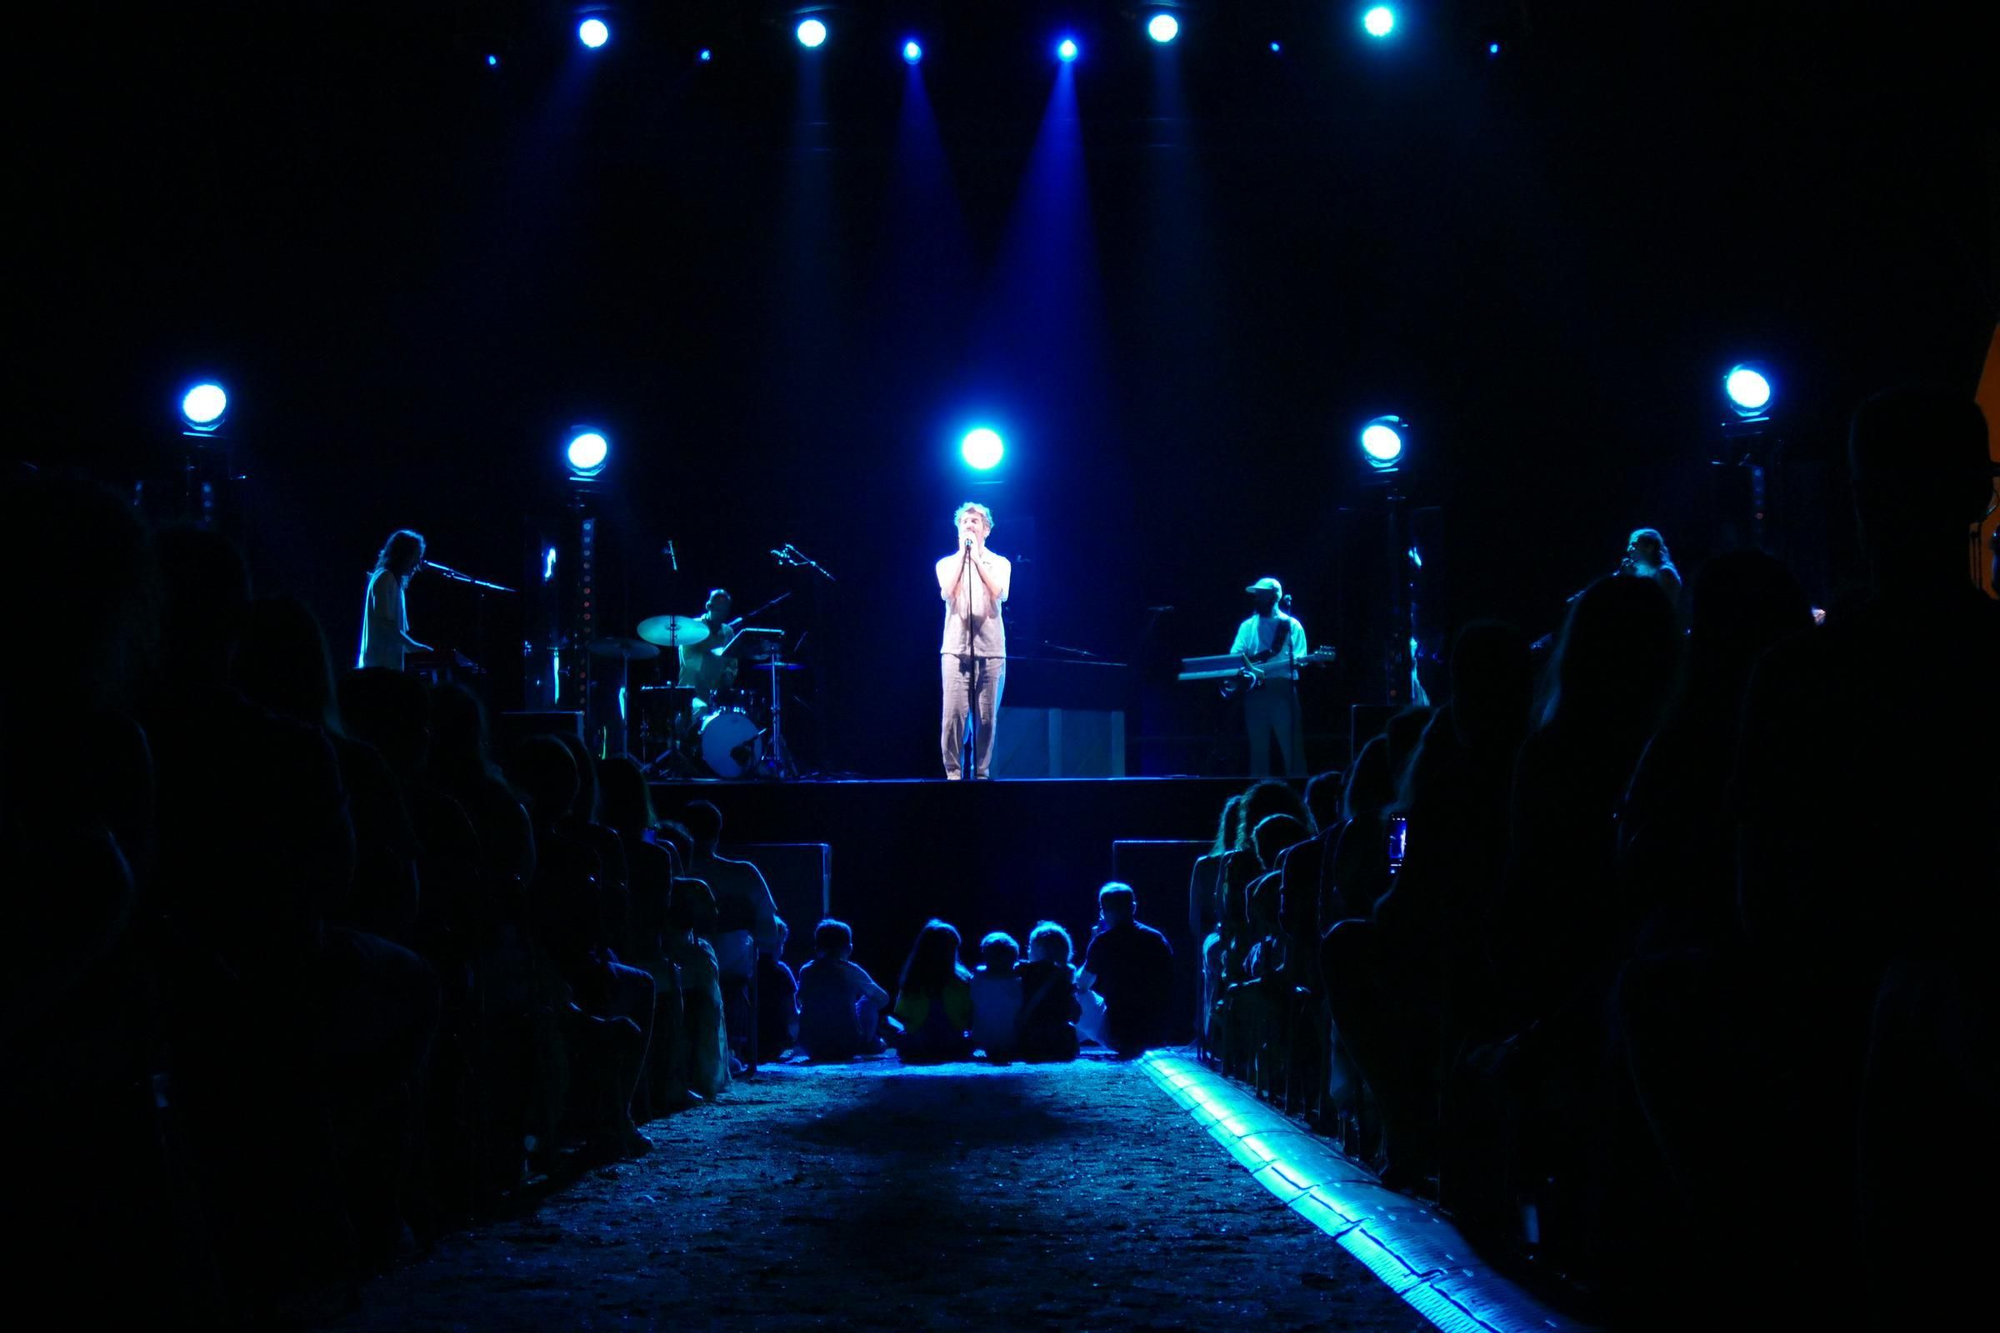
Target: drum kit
[{"x": 710, "y": 727}]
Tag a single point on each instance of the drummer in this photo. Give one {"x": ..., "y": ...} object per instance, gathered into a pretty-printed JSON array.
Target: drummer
[{"x": 708, "y": 667}]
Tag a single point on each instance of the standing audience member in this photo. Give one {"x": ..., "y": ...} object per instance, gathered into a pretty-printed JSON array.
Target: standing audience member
[
  {"x": 840, "y": 1005},
  {"x": 746, "y": 915},
  {"x": 996, "y": 996},
  {"x": 934, "y": 999},
  {"x": 1132, "y": 966},
  {"x": 1881, "y": 920}
]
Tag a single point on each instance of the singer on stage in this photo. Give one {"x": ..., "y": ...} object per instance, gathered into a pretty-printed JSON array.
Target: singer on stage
[
  {"x": 385, "y": 616},
  {"x": 973, "y": 582}
]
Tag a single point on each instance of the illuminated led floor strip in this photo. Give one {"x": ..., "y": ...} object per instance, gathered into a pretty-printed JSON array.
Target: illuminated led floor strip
[{"x": 1420, "y": 1256}]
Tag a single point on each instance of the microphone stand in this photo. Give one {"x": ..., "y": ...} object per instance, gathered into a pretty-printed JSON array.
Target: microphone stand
[
  {"x": 458, "y": 577},
  {"x": 791, "y": 556},
  {"x": 969, "y": 740}
]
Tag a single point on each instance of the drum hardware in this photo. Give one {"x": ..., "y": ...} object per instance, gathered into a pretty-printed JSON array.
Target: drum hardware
[{"x": 776, "y": 758}]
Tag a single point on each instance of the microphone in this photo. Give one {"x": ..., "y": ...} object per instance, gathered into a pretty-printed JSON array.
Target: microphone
[{"x": 674, "y": 560}]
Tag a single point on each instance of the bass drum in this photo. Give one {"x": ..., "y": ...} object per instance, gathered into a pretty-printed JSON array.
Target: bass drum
[{"x": 730, "y": 744}]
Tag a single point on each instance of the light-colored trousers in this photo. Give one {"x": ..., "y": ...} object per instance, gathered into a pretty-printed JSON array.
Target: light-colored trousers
[
  {"x": 1271, "y": 715},
  {"x": 960, "y": 687}
]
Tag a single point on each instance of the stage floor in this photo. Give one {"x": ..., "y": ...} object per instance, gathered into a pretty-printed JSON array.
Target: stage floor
[{"x": 982, "y": 855}]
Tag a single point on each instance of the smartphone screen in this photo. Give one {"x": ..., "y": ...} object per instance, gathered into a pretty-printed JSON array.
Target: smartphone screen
[{"x": 1399, "y": 839}]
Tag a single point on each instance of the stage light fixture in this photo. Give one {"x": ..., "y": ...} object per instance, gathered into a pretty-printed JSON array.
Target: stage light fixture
[
  {"x": 593, "y": 33},
  {"x": 912, "y": 53},
  {"x": 203, "y": 406},
  {"x": 1382, "y": 442},
  {"x": 492, "y": 62},
  {"x": 812, "y": 33},
  {"x": 1493, "y": 48},
  {"x": 982, "y": 448},
  {"x": 1748, "y": 390},
  {"x": 1066, "y": 50},
  {"x": 1276, "y": 48},
  {"x": 1379, "y": 21},
  {"x": 586, "y": 453},
  {"x": 705, "y": 55},
  {"x": 1163, "y": 28}
]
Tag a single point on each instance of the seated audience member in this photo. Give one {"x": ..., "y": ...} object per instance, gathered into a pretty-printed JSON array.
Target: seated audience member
[
  {"x": 689, "y": 915},
  {"x": 1271, "y": 839},
  {"x": 627, "y": 807},
  {"x": 568, "y": 915},
  {"x": 1300, "y": 867},
  {"x": 81, "y": 1014},
  {"x": 283, "y": 664},
  {"x": 460, "y": 764},
  {"x": 934, "y": 999},
  {"x": 1676, "y": 842},
  {"x": 1132, "y": 966},
  {"x": 1205, "y": 884},
  {"x": 840, "y": 1005},
  {"x": 996, "y": 996},
  {"x": 1049, "y": 1005},
  {"x": 614, "y": 875},
  {"x": 777, "y": 1000},
  {"x": 1355, "y": 872}
]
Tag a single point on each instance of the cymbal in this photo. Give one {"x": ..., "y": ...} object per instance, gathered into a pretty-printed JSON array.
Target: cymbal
[
  {"x": 632, "y": 650},
  {"x": 673, "y": 631}
]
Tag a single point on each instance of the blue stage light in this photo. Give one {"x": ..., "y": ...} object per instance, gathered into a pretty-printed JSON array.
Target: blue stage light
[
  {"x": 203, "y": 405},
  {"x": 912, "y": 53},
  {"x": 812, "y": 33},
  {"x": 1066, "y": 50},
  {"x": 1275, "y": 48},
  {"x": 1382, "y": 442},
  {"x": 982, "y": 448},
  {"x": 593, "y": 33},
  {"x": 1493, "y": 48},
  {"x": 587, "y": 453},
  {"x": 1748, "y": 389},
  {"x": 492, "y": 61},
  {"x": 1163, "y": 28},
  {"x": 1379, "y": 21},
  {"x": 705, "y": 55}
]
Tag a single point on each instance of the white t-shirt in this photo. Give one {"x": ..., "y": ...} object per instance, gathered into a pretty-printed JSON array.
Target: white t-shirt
[
  {"x": 1259, "y": 633},
  {"x": 989, "y": 632},
  {"x": 384, "y": 617}
]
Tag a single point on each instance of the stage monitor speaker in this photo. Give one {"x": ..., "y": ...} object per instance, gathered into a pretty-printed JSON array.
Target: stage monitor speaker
[
  {"x": 514, "y": 728},
  {"x": 1364, "y": 723},
  {"x": 801, "y": 878},
  {"x": 1059, "y": 743},
  {"x": 1159, "y": 873}
]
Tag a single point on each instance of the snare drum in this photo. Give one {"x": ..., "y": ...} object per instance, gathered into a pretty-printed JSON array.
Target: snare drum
[{"x": 730, "y": 744}]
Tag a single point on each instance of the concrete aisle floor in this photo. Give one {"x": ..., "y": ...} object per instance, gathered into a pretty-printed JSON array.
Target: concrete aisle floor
[{"x": 1074, "y": 1197}]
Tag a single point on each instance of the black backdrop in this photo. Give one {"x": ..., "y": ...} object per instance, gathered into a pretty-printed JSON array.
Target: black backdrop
[{"x": 415, "y": 271}]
